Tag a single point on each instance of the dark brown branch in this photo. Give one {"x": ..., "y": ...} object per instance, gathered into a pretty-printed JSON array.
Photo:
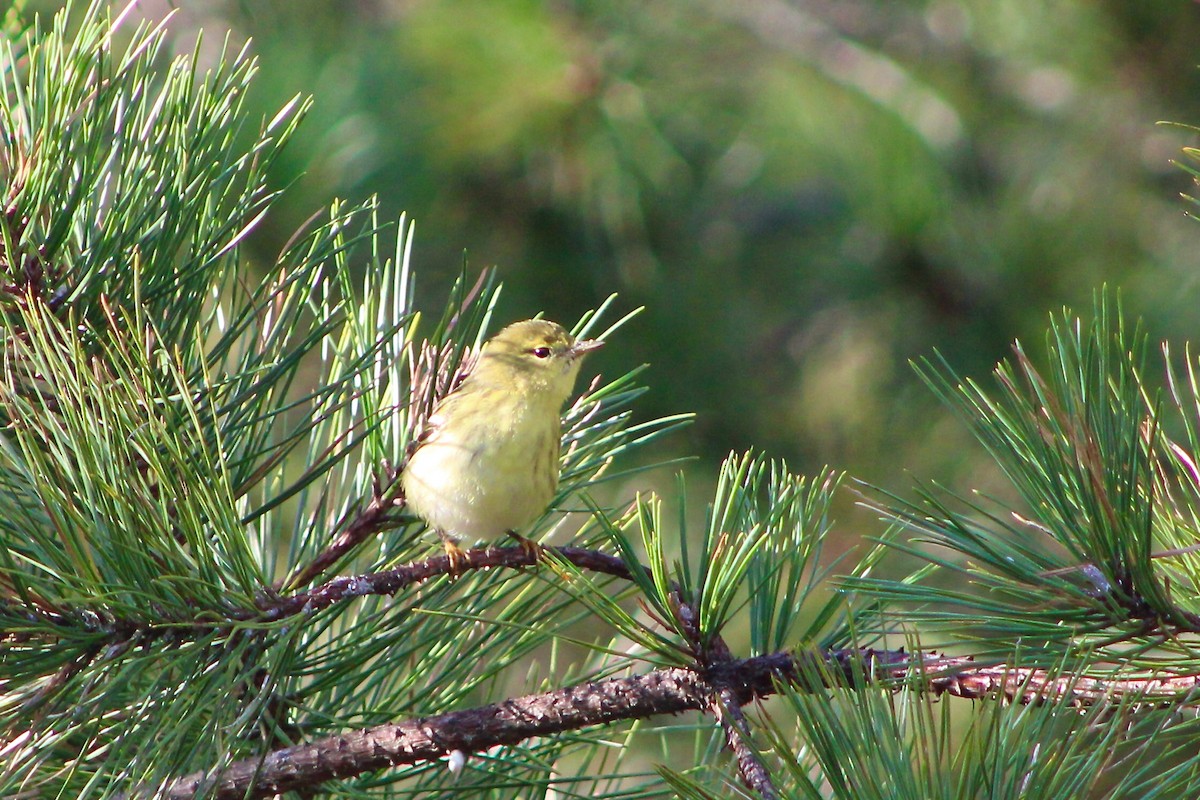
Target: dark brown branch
[
  {"x": 666, "y": 691},
  {"x": 961, "y": 677},
  {"x": 754, "y": 773},
  {"x": 662, "y": 691},
  {"x": 724, "y": 702},
  {"x": 275, "y": 607},
  {"x": 374, "y": 518},
  {"x": 393, "y": 580}
]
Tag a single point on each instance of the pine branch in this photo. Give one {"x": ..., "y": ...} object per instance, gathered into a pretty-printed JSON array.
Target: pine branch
[
  {"x": 728, "y": 711},
  {"x": 666, "y": 691},
  {"x": 663, "y": 691},
  {"x": 723, "y": 701},
  {"x": 388, "y": 582}
]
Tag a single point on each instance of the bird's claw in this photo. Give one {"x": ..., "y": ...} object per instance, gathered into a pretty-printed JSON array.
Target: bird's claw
[
  {"x": 529, "y": 546},
  {"x": 456, "y": 556}
]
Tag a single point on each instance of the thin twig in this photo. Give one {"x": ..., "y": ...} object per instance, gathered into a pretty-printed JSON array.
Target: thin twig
[
  {"x": 754, "y": 773},
  {"x": 725, "y": 705},
  {"x": 713, "y": 656},
  {"x": 374, "y": 518}
]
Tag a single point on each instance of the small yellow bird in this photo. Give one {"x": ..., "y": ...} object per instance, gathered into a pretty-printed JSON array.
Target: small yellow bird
[{"x": 487, "y": 462}]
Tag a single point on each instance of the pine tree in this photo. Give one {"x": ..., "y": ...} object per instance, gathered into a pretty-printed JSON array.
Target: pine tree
[{"x": 209, "y": 585}]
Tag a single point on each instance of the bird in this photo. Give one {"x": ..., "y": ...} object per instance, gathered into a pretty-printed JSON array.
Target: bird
[{"x": 487, "y": 461}]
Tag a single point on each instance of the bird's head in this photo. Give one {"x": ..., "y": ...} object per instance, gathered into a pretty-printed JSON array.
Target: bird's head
[{"x": 537, "y": 355}]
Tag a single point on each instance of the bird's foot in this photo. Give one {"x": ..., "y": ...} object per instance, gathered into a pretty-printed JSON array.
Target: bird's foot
[
  {"x": 531, "y": 548},
  {"x": 456, "y": 556}
]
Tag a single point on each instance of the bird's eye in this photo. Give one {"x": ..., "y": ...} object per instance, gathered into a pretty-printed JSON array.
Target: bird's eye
[{"x": 541, "y": 352}]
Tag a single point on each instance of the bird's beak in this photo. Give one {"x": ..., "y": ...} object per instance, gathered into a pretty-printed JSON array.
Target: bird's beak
[{"x": 585, "y": 346}]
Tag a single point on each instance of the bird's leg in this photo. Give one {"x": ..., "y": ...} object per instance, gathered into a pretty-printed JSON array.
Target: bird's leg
[
  {"x": 531, "y": 548},
  {"x": 454, "y": 554}
]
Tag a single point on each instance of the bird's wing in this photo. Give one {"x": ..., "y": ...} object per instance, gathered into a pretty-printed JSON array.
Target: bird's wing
[{"x": 435, "y": 381}]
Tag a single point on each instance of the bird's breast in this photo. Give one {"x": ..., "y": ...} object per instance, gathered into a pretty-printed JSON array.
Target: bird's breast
[{"x": 477, "y": 482}]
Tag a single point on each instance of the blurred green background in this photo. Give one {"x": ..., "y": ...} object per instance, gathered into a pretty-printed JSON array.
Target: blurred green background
[{"x": 804, "y": 195}]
